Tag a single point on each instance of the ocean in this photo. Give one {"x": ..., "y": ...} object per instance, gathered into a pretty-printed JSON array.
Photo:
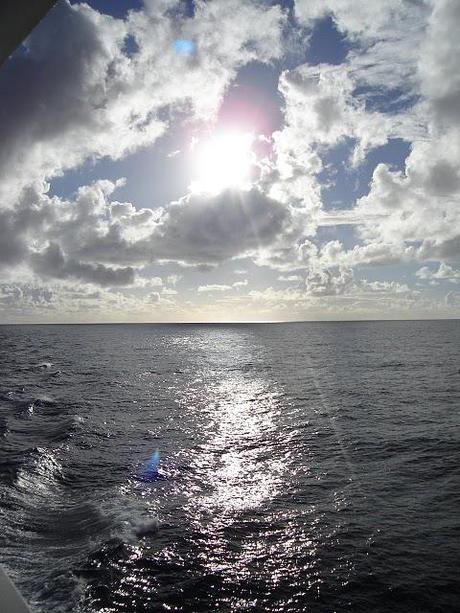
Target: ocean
[{"x": 266, "y": 467}]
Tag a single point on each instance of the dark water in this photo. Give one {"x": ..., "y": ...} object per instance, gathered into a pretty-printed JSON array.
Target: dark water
[{"x": 303, "y": 467}]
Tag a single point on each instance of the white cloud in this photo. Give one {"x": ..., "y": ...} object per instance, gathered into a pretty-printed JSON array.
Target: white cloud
[
  {"x": 384, "y": 34},
  {"x": 328, "y": 282},
  {"x": 363, "y": 18},
  {"x": 452, "y": 299},
  {"x": 323, "y": 111},
  {"x": 168, "y": 291},
  {"x": 149, "y": 282},
  {"x": 327, "y": 105},
  {"x": 290, "y": 278},
  {"x": 153, "y": 297},
  {"x": 202, "y": 289},
  {"x": 173, "y": 279},
  {"x": 443, "y": 273},
  {"x": 413, "y": 215},
  {"x": 350, "y": 300}
]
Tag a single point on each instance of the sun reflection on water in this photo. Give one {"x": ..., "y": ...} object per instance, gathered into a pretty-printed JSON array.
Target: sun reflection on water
[
  {"x": 239, "y": 462},
  {"x": 242, "y": 520}
]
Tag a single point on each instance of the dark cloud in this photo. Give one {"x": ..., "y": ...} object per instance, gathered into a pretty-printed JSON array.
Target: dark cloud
[
  {"x": 443, "y": 250},
  {"x": 53, "y": 263},
  {"x": 12, "y": 244},
  {"x": 198, "y": 230},
  {"x": 208, "y": 229},
  {"x": 439, "y": 62},
  {"x": 55, "y": 95}
]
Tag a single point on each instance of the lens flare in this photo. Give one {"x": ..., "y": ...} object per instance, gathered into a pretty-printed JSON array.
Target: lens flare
[
  {"x": 184, "y": 46},
  {"x": 149, "y": 471}
]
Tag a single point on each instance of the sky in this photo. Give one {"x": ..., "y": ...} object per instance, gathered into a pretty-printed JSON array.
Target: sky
[{"x": 232, "y": 160}]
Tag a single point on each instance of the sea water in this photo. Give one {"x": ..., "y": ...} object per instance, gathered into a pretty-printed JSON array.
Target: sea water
[{"x": 271, "y": 467}]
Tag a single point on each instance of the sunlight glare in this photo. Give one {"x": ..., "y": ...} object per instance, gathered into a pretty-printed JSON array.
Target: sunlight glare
[{"x": 225, "y": 160}]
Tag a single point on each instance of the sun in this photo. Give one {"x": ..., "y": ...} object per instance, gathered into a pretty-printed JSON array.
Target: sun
[{"x": 222, "y": 161}]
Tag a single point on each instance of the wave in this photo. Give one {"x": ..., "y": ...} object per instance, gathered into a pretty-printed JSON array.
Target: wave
[{"x": 45, "y": 365}]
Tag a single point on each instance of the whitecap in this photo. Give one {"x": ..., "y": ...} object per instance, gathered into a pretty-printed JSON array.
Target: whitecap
[{"x": 45, "y": 365}]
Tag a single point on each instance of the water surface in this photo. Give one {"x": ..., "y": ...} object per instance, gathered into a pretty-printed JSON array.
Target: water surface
[{"x": 302, "y": 467}]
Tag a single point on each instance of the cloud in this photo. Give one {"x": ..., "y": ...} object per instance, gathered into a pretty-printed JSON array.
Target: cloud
[
  {"x": 173, "y": 279},
  {"x": 363, "y": 18},
  {"x": 153, "y": 297},
  {"x": 61, "y": 300},
  {"x": 95, "y": 239},
  {"x": 414, "y": 217},
  {"x": 323, "y": 108},
  {"x": 211, "y": 229},
  {"x": 290, "y": 278},
  {"x": 410, "y": 214},
  {"x": 385, "y": 287},
  {"x": 452, "y": 299},
  {"x": 334, "y": 291},
  {"x": 44, "y": 234},
  {"x": 149, "y": 282},
  {"x": 58, "y": 100},
  {"x": 33, "y": 211},
  {"x": 12, "y": 243},
  {"x": 91, "y": 86},
  {"x": 329, "y": 282},
  {"x": 438, "y": 63},
  {"x": 203, "y": 289},
  {"x": 53, "y": 263},
  {"x": 444, "y": 273},
  {"x": 271, "y": 295},
  {"x": 328, "y": 105},
  {"x": 321, "y": 105},
  {"x": 168, "y": 291},
  {"x": 25, "y": 294},
  {"x": 414, "y": 214},
  {"x": 382, "y": 34}
]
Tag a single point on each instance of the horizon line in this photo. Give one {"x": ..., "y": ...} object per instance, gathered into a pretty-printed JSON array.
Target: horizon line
[{"x": 223, "y": 323}]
